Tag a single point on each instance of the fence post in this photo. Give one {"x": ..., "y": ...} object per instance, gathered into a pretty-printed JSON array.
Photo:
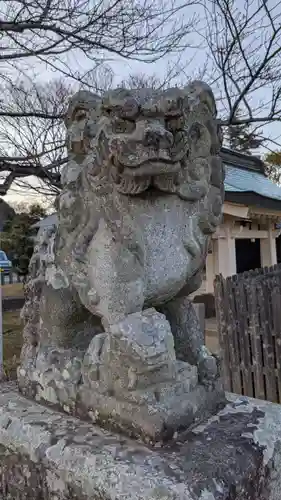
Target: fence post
[{"x": 219, "y": 288}]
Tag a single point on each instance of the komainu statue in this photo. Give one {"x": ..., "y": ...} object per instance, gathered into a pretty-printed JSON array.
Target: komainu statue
[{"x": 110, "y": 333}]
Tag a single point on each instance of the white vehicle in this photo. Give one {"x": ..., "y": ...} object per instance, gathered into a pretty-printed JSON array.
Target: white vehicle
[{"x": 5, "y": 263}]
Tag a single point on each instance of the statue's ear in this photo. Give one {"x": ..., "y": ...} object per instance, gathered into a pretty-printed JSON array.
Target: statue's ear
[
  {"x": 201, "y": 93},
  {"x": 83, "y": 102}
]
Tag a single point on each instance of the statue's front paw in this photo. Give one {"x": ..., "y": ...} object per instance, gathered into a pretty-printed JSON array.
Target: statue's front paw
[{"x": 208, "y": 369}]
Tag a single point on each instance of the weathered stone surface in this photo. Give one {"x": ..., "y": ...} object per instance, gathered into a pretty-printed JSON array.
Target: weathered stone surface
[
  {"x": 201, "y": 315},
  {"x": 133, "y": 381},
  {"x": 142, "y": 193},
  {"x": 137, "y": 353},
  {"x": 128, "y": 380},
  {"x": 44, "y": 454}
]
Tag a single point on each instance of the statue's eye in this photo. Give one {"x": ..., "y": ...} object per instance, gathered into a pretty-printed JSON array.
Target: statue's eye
[
  {"x": 120, "y": 126},
  {"x": 79, "y": 114}
]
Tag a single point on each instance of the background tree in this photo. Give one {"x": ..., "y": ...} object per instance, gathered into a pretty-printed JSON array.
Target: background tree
[
  {"x": 38, "y": 141},
  {"x": 17, "y": 238},
  {"x": 244, "y": 61},
  {"x": 273, "y": 165},
  {"x": 242, "y": 138},
  {"x": 238, "y": 44},
  {"x": 36, "y": 144},
  {"x": 74, "y": 38}
]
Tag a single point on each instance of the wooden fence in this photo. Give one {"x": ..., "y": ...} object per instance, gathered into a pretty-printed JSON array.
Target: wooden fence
[{"x": 248, "y": 309}]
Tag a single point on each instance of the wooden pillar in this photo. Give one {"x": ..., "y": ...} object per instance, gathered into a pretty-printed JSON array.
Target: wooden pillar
[
  {"x": 225, "y": 254},
  {"x": 221, "y": 256},
  {"x": 210, "y": 270},
  {"x": 222, "y": 260},
  {"x": 232, "y": 268},
  {"x": 268, "y": 248}
]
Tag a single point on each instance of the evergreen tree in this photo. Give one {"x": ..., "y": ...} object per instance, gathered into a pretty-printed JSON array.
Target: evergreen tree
[
  {"x": 273, "y": 165},
  {"x": 17, "y": 238},
  {"x": 241, "y": 138}
]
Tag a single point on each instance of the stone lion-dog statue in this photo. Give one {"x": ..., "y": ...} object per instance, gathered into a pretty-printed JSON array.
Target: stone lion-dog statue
[{"x": 110, "y": 333}]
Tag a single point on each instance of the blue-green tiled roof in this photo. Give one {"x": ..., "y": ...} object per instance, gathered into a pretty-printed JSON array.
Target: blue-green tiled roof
[
  {"x": 237, "y": 180},
  {"x": 247, "y": 181}
]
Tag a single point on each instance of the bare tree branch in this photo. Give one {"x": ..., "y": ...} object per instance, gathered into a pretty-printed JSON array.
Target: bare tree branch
[
  {"x": 128, "y": 28},
  {"x": 244, "y": 41},
  {"x": 32, "y": 132},
  {"x": 55, "y": 34},
  {"x": 238, "y": 45}
]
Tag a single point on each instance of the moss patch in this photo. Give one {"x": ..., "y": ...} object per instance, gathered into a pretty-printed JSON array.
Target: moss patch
[{"x": 12, "y": 335}]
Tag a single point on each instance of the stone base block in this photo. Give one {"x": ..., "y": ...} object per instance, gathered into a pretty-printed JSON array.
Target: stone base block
[
  {"x": 129, "y": 380},
  {"x": 151, "y": 421},
  {"x": 235, "y": 455}
]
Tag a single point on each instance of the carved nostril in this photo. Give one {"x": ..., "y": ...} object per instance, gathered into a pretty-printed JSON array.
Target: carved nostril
[
  {"x": 151, "y": 138},
  {"x": 158, "y": 138}
]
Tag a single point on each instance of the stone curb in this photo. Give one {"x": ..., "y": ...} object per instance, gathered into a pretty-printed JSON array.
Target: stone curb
[{"x": 44, "y": 452}]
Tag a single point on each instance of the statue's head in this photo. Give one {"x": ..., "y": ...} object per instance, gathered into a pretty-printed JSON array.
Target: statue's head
[{"x": 148, "y": 138}]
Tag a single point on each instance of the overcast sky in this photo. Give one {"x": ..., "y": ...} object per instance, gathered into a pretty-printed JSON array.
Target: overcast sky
[{"x": 190, "y": 62}]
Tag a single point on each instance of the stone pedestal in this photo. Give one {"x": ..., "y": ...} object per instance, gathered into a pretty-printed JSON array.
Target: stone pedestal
[
  {"x": 235, "y": 455},
  {"x": 129, "y": 380}
]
